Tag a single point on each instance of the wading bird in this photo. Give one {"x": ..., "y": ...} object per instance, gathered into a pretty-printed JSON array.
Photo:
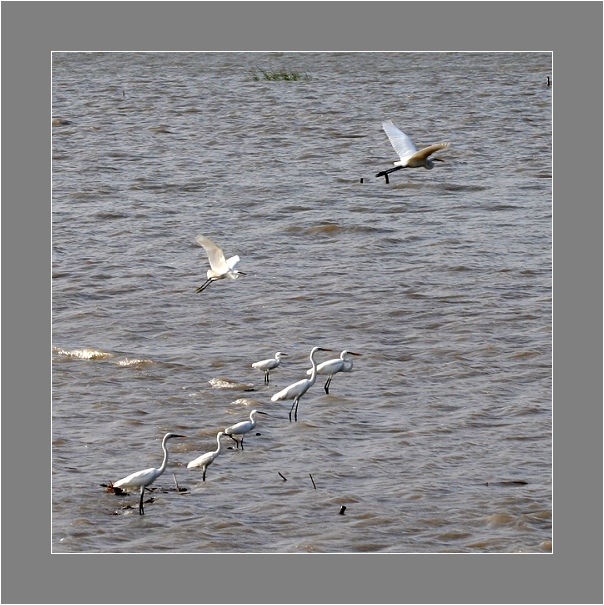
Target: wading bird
[
  {"x": 410, "y": 157},
  {"x": 220, "y": 267},
  {"x": 241, "y": 428},
  {"x": 142, "y": 479},
  {"x": 206, "y": 459},
  {"x": 296, "y": 390},
  {"x": 266, "y": 365},
  {"x": 333, "y": 366}
]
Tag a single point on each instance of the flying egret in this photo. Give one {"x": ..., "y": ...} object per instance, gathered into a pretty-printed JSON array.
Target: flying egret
[
  {"x": 144, "y": 478},
  {"x": 296, "y": 390},
  {"x": 220, "y": 267},
  {"x": 241, "y": 428},
  {"x": 206, "y": 459},
  {"x": 266, "y": 365},
  {"x": 410, "y": 156},
  {"x": 333, "y": 366}
]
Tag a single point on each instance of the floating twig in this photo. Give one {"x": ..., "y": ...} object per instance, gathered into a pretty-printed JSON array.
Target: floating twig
[
  {"x": 313, "y": 481},
  {"x": 282, "y": 477}
]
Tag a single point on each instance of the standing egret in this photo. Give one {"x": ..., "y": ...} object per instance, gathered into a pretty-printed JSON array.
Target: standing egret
[
  {"x": 410, "y": 156},
  {"x": 333, "y": 366},
  {"x": 241, "y": 428},
  {"x": 220, "y": 267},
  {"x": 296, "y": 390},
  {"x": 144, "y": 478},
  {"x": 266, "y": 365},
  {"x": 206, "y": 459}
]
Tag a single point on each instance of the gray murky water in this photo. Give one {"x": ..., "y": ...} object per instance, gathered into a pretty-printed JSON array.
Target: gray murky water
[{"x": 439, "y": 440}]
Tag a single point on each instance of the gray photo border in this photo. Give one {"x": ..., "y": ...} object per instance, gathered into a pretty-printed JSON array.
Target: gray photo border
[{"x": 572, "y": 31}]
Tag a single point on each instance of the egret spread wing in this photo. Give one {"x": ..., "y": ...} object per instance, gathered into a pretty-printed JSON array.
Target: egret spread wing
[
  {"x": 231, "y": 262},
  {"x": 424, "y": 153},
  {"x": 402, "y": 144},
  {"x": 215, "y": 254}
]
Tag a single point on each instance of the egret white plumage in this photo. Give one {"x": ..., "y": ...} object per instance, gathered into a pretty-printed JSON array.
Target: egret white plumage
[
  {"x": 141, "y": 479},
  {"x": 333, "y": 366},
  {"x": 206, "y": 459},
  {"x": 266, "y": 365},
  {"x": 241, "y": 428},
  {"x": 409, "y": 156},
  {"x": 220, "y": 266},
  {"x": 296, "y": 390}
]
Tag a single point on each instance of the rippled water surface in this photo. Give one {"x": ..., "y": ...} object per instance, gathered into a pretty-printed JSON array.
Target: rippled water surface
[{"x": 439, "y": 439}]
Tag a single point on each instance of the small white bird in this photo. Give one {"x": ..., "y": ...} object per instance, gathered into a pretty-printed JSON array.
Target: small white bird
[
  {"x": 206, "y": 459},
  {"x": 296, "y": 390},
  {"x": 266, "y": 365},
  {"x": 333, "y": 366},
  {"x": 142, "y": 479},
  {"x": 410, "y": 157},
  {"x": 220, "y": 267},
  {"x": 241, "y": 428}
]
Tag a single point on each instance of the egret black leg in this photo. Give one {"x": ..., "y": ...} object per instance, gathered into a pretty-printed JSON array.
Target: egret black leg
[
  {"x": 292, "y": 409},
  {"x": 241, "y": 442},
  {"x": 203, "y": 478},
  {"x": 204, "y": 285},
  {"x": 266, "y": 378},
  {"x": 235, "y": 440},
  {"x": 326, "y": 387},
  {"x": 385, "y": 173},
  {"x": 296, "y": 412},
  {"x": 141, "y": 508}
]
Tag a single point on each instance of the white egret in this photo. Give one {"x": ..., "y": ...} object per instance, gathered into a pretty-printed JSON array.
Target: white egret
[
  {"x": 333, "y": 366},
  {"x": 410, "y": 157},
  {"x": 266, "y": 365},
  {"x": 296, "y": 390},
  {"x": 142, "y": 479},
  {"x": 206, "y": 459},
  {"x": 241, "y": 428},
  {"x": 220, "y": 267}
]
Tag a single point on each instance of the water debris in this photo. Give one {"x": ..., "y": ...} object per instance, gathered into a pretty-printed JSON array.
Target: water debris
[
  {"x": 282, "y": 477},
  {"x": 111, "y": 489},
  {"x": 63, "y": 122},
  {"x": 342, "y": 509},
  {"x": 313, "y": 481},
  {"x": 519, "y": 482},
  {"x": 361, "y": 179}
]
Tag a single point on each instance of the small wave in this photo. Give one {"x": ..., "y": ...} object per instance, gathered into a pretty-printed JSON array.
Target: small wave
[
  {"x": 324, "y": 229},
  {"x": 82, "y": 353},
  {"x": 226, "y": 383},
  {"x": 245, "y": 401},
  {"x": 127, "y": 362}
]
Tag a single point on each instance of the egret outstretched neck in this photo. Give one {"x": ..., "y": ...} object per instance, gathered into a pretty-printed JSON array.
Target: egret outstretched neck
[{"x": 162, "y": 468}]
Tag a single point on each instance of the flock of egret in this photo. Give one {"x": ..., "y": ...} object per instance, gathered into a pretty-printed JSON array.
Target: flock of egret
[
  {"x": 142, "y": 479},
  {"x": 221, "y": 268}
]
